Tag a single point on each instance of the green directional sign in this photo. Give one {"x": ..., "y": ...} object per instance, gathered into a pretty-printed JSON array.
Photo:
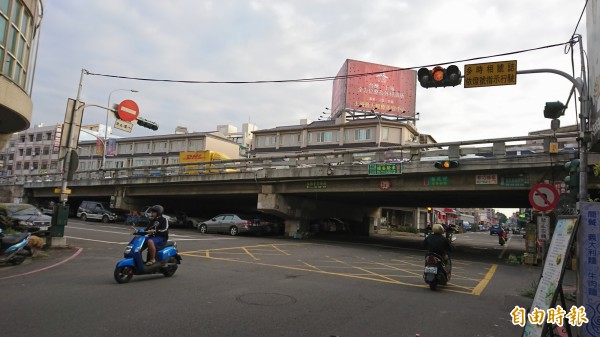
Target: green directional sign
[
  {"x": 382, "y": 169},
  {"x": 436, "y": 181}
]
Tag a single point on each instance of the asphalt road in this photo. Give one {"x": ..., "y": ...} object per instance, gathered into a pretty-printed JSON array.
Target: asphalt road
[{"x": 264, "y": 286}]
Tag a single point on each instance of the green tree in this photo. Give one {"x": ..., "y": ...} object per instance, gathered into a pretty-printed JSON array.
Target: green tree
[{"x": 501, "y": 217}]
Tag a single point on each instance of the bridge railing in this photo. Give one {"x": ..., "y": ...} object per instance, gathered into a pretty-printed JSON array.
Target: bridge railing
[{"x": 493, "y": 147}]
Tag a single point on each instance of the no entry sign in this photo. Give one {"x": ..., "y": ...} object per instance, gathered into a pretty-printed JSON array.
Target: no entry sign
[
  {"x": 128, "y": 110},
  {"x": 543, "y": 197}
]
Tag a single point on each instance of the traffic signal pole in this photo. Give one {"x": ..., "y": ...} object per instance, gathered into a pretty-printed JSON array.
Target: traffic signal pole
[{"x": 583, "y": 139}]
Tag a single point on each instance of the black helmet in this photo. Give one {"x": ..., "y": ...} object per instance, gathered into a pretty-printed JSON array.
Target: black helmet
[{"x": 158, "y": 209}]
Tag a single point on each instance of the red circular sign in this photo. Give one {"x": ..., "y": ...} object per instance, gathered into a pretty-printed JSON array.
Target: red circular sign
[
  {"x": 385, "y": 184},
  {"x": 128, "y": 110},
  {"x": 543, "y": 197}
]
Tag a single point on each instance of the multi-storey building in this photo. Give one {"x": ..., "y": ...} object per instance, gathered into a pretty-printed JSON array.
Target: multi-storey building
[
  {"x": 19, "y": 29},
  {"x": 36, "y": 151},
  {"x": 338, "y": 134}
]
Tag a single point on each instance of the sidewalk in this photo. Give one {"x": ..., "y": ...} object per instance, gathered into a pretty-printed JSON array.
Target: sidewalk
[{"x": 45, "y": 259}]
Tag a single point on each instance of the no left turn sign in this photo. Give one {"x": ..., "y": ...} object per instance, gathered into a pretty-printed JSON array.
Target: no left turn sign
[{"x": 543, "y": 197}]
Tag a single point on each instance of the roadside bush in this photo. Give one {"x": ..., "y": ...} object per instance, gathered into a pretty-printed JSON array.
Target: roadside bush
[{"x": 408, "y": 229}]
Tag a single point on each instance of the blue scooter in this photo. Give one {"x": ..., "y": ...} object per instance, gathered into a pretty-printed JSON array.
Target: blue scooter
[
  {"x": 13, "y": 247},
  {"x": 167, "y": 259}
]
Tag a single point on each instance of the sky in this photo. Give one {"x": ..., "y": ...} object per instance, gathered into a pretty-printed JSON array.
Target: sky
[{"x": 239, "y": 40}]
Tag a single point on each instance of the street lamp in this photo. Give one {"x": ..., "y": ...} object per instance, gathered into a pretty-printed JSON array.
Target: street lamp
[{"x": 106, "y": 125}]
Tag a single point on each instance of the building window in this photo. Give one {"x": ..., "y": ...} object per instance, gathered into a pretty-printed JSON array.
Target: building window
[
  {"x": 22, "y": 139},
  {"x": 30, "y": 137},
  {"x": 36, "y": 151},
  {"x": 46, "y": 150},
  {"x": 35, "y": 165},
  {"x": 18, "y": 166},
  {"x": 119, "y": 164},
  {"x": 346, "y": 135},
  {"x": 270, "y": 140},
  {"x": 173, "y": 160},
  {"x": 38, "y": 137},
  {"x": 324, "y": 137},
  {"x": 14, "y": 50},
  {"x": 44, "y": 166},
  {"x": 140, "y": 162},
  {"x": 385, "y": 133},
  {"x": 20, "y": 152},
  {"x": 28, "y": 151},
  {"x": 26, "y": 165},
  {"x": 153, "y": 161},
  {"x": 362, "y": 134},
  {"x": 11, "y": 156},
  {"x": 53, "y": 165},
  {"x": 48, "y": 135},
  {"x": 293, "y": 139}
]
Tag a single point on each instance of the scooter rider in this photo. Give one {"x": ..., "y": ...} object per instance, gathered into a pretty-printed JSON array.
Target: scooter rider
[
  {"x": 437, "y": 243},
  {"x": 159, "y": 232}
]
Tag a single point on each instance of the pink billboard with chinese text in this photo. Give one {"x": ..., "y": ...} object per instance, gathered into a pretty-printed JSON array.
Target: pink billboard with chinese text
[{"x": 367, "y": 86}]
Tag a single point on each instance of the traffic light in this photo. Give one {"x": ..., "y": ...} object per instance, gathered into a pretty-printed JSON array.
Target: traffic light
[
  {"x": 553, "y": 110},
  {"x": 147, "y": 124},
  {"x": 572, "y": 180},
  {"x": 447, "y": 164},
  {"x": 439, "y": 77}
]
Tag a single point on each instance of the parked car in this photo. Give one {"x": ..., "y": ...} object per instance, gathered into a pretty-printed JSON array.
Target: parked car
[
  {"x": 24, "y": 217},
  {"x": 467, "y": 226},
  {"x": 235, "y": 224},
  {"x": 97, "y": 210},
  {"x": 175, "y": 218},
  {"x": 495, "y": 230}
]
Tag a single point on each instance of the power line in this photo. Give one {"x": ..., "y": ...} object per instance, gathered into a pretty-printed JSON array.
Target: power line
[
  {"x": 326, "y": 78},
  {"x": 580, "y": 16}
]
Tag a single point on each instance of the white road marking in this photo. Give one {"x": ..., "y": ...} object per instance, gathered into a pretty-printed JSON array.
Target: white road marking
[{"x": 101, "y": 241}]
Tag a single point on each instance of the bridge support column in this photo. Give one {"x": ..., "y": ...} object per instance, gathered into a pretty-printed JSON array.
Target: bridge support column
[{"x": 298, "y": 212}]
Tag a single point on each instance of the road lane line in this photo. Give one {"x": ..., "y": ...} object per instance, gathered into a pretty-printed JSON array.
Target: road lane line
[
  {"x": 79, "y": 250},
  {"x": 101, "y": 241},
  {"x": 486, "y": 279}
]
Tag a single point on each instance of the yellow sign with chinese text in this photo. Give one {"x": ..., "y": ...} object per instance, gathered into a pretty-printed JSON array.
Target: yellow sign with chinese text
[{"x": 490, "y": 74}]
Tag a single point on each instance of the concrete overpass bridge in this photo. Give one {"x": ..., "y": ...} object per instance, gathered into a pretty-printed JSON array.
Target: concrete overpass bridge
[{"x": 349, "y": 184}]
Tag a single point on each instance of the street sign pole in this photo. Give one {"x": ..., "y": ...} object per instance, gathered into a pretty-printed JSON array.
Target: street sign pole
[{"x": 70, "y": 145}]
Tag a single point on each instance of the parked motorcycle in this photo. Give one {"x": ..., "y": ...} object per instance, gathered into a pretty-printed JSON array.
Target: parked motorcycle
[
  {"x": 13, "y": 247},
  {"x": 167, "y": 259},
  {"x": 437, "y": 272},
  {"x": 450, "y": 233}
]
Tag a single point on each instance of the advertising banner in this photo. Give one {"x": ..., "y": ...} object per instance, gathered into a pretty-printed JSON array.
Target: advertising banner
[
  {"x": 99, "y": 150},
  {"x": 589, "y": 266},
  {"x": 111, "y": 147},
  {"x": 367, "y": 86},
  {"x": 546, "y": 294}
]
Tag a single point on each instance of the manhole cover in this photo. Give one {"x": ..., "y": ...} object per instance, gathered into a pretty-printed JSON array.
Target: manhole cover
[{"x": 266, "y": 299}]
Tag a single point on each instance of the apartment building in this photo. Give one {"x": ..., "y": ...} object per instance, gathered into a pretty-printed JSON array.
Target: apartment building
[
  {"x": 342, "y": 133},
  {"x": 36, "y": 150}
]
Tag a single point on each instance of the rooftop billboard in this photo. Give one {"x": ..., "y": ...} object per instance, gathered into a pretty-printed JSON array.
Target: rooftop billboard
[{"x": 368, "y": 86}]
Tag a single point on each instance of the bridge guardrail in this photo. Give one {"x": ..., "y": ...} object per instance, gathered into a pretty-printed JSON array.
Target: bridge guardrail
[{"x": 400, "y": 153}]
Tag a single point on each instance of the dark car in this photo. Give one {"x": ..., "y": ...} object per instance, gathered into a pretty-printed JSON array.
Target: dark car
[
  {"x": 235, "y": 224},
  {"x": 24, "y": 217},
  {"x": 100, "y": 211},
  {"x": 495, "y": 230}
]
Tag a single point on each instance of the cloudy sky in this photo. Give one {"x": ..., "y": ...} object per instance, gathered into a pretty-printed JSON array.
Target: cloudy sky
[{"x": 239, "y": 40}]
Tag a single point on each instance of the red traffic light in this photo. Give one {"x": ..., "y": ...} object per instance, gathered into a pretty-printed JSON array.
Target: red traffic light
[
  {"x": 439, "y": 77},
  {"x": 438, "y": 74},
  {"x": 447, "y": 164}
]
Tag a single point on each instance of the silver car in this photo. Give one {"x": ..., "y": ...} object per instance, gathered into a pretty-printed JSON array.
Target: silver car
[{"x": 233, "y": 224}]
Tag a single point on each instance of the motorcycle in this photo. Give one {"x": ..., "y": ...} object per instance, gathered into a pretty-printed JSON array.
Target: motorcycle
[
  {"x": 450, "y": 233},
  {"x": 437, "y": 272},
  {"x": 167, "y": 259},
  {"x": 502, "y": 238},
  {"x": 13, "y": 247}
]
